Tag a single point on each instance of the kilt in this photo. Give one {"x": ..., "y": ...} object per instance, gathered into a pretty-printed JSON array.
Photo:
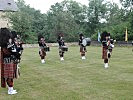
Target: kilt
[
  {"x": 42, "y": 53},
  {"x": 104, "y": 52},
  {"x": 82, "y": 49},
  {"x": 61, "y": 50},
  {"x": 9, "y": 71}
]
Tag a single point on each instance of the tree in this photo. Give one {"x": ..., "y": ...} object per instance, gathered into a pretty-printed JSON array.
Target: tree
[
  {"x": 27, "y": 21},
  {"x": 65, "y": 17},
  {"x": 128, "y": 7},
  {"x": 70, "y": 18},
  {"x": 96, "y": 11},
  {"x": 127, "y": 3}
]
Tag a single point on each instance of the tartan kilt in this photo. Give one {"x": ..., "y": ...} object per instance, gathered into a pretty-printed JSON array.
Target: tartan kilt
[
  {"x": 82, "y": 49},
  {"x": 60, "y": 50},
  {"x": 9, "y": 71},
  {"x": 104, "y": 53},
  {"x": 42, "y": 53}
]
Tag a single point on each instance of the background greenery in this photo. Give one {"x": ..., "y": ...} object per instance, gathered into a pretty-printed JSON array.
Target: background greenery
[
  {"x": 70, "y": 18},
  {"x": 74, "y": 79}
]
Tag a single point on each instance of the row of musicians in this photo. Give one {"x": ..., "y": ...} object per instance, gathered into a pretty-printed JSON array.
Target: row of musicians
[{"x": 107, "y": 43}]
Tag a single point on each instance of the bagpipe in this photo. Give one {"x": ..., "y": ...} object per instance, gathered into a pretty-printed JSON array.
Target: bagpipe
[
  {"x": 109, "y": 44},
  {"x": 15, "y": 52}
]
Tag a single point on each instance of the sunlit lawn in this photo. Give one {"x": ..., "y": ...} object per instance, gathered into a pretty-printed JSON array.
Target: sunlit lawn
[{"x": 74, "y": 79}]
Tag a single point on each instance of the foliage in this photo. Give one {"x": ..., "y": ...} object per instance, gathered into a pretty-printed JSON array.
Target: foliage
[
  {"x": 96, "y": 11},
  {"x": 71, "y": 18}
]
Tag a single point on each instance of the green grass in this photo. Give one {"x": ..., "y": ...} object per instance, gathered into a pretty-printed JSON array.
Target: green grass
[{"x": 74, "y": 79}]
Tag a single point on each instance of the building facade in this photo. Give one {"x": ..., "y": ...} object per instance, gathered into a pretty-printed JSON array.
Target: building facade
[{"x": 5, "y": 7}]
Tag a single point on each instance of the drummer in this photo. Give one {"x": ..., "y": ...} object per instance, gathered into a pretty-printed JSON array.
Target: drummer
[
  {"x": 42, "y": 47},
  {"x": 62, "y": 47},
  {"x": 82, "y": 44}
]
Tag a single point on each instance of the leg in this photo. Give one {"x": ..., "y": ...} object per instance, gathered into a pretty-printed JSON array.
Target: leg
[
  {"x": 105, "y": 60},
  {"x": 82, "y": 50},
  {"x": 105, "y": 56},
  {"x": 43, "y": 55},
  {"x": 85, "y": 49},
  {"x": 109, "y": 53},
  {"x": 61, "y": 54},
  {"x": 10, "y": 86},
  {"x": 106, "y": 63},
  {"x": 10, "y": 82}
]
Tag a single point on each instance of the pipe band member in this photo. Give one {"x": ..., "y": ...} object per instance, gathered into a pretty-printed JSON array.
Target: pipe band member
[
  {"x": 42, "y": 48},
  {"x": 8, "y": 61},
  {"x": 61, "y": 46},
  {"x": 107, "y": 47},
  {"x": 82, "y": 46}
]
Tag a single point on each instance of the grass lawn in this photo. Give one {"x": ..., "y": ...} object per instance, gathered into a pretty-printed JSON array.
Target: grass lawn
[{"x": 74, "y": 79}]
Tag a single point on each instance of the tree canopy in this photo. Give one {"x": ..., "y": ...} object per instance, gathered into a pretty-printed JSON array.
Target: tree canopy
[{"x": 71, "y": 18}]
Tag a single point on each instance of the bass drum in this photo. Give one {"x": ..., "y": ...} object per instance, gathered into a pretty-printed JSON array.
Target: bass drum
[{"x": 86, "y": 42}]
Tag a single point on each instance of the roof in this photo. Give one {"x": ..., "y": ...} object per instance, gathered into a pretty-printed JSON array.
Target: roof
[{"x": 8, "y": 5}]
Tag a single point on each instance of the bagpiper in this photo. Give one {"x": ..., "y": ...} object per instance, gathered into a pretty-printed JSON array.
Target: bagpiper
[
  {"x": 9, "y": 60},
  {"x": 107, "y": 47}
]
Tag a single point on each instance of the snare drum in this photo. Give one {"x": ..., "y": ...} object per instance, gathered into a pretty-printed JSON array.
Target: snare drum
[
  {"x": 64, "y": 48},
  {"x": 46, "y": 49}
]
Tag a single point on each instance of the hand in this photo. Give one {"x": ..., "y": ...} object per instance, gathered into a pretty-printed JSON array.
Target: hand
[
  {"x": 112, "y": 46},
  {"x": 14, "y": 50}
]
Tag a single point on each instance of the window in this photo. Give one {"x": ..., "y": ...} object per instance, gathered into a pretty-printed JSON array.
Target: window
[{"x": 9, "y": 3}]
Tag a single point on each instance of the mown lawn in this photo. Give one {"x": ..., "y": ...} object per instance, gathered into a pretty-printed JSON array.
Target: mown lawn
[{"x": 74, "y": 79}]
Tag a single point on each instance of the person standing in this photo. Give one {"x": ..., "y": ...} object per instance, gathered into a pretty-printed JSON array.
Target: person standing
[
  {"x": 82, "y": 44},
  {"x": 8, "y": 58},
  {"x": 107, "y": 46},
  {"x": 62, "y": 47},
  {"x": 42, "y": 48}
]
